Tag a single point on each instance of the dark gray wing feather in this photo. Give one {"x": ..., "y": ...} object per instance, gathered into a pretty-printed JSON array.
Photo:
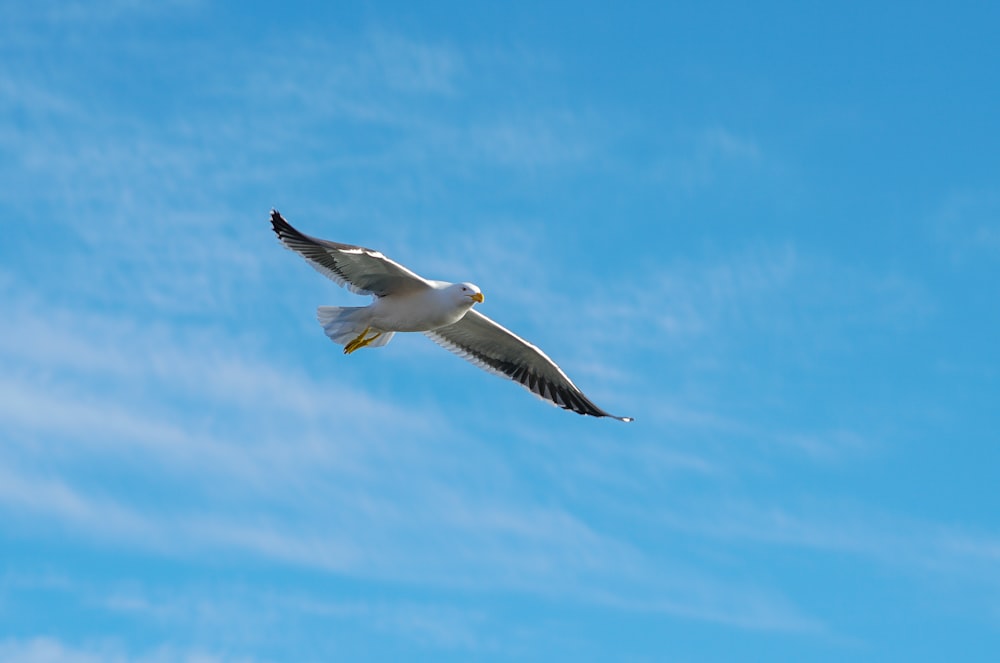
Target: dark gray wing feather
[
  {"x": 360, "y": 270},
  {"x": 497, "y": 350}
]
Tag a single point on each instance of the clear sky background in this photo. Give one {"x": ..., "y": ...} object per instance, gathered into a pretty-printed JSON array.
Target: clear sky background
[{"x": 769, "y": 231}]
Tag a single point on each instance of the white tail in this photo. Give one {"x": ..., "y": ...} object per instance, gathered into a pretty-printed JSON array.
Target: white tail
[{"x": 343, "y": 324}]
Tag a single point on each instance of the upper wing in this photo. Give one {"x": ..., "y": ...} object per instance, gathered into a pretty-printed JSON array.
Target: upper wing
[
  {"x": 489, "y": 346},
  {"x": 360, "y": 270}
]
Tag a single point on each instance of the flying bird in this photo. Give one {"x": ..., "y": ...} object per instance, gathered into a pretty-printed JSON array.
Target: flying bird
[{"x": 406, "y": 302}]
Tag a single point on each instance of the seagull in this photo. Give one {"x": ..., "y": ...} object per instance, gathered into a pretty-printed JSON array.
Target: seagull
[{"x": 406, "y": 302}]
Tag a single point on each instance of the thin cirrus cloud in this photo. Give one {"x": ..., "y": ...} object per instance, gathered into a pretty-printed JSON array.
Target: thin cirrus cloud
[
  {"x": 918, "y": 548},
  {"x": 270, "y": 477},
  {"x": 167, "y": 399},
  {"x": 968, "y": 223},
  {"x": 54, "y": 650}
]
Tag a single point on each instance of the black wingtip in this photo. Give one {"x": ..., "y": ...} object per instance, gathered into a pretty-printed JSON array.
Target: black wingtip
[
  {"x": 280, "y": 226},
  {"x": 626, "y": 420}
]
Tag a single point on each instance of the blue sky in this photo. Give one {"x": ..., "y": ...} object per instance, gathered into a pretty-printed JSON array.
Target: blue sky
[{"x": 769, "y": 232}]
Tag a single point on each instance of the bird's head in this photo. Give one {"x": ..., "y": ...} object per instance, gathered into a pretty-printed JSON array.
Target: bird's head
[{"x": 467, "y": 291}]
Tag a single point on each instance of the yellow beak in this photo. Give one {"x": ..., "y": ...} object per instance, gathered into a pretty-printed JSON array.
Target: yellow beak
[{"x": 478, "y": 297}]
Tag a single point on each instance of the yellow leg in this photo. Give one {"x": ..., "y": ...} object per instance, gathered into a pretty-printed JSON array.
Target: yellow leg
[
  {"x": 368, "y": 340},
  {"x": 356, "y": 343},
  {"x": 360, "y": 341}
]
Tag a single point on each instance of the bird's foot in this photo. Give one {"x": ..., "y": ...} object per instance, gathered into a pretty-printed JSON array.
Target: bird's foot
[{"x": 360, "y": 341}]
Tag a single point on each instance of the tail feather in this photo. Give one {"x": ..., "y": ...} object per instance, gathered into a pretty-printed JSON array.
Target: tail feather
[{"x": 344, "y": 323}]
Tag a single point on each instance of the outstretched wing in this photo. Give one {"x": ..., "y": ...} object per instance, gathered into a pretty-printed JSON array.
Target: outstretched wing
[
  {"x": 497, "y": 350},
  {"x": 360, "y": 270}
]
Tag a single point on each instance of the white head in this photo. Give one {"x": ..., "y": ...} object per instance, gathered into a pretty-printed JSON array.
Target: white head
[{"x": 466, "y": 293}]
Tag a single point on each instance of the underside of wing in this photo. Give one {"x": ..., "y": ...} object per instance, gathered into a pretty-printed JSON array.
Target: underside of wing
[
  {"x": 497, "y": 350},
  {"x": 360, "y": 270}
]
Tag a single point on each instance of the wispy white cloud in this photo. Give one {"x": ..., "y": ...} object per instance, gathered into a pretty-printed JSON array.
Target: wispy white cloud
[
  {"x": 730, "y": 145},
  {"x": 163, "y": 205},
  {"x": 698, "y": 159},
  {"x": 289, "y": 483},
  {"x": 780, "y": 291},
  {"x": 968, "y": 223},
  {"x": 414, "y": 66},
  {"x": 83, "y": 13},
  {"x": 54, "y": 501},
  {"x": 290, "y": 451},
  {"x": 532, "y": 550},
  {"x": 829, "y": 446},
  {"x": 916, "y": 547},
  {"x": 53, "y": 650},
  {"x": 440, "y": 626},
  {"x": 22, "y": 93},
  {"x": 410, "y": 88}
]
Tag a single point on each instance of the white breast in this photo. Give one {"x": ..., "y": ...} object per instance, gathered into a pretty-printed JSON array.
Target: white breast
[{"x": 417, "y": 311}]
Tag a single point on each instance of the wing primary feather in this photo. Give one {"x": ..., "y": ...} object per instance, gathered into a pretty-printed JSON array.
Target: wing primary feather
[
  {"x": 489, "y": 346},
  {"x": 360, "y": 270}
]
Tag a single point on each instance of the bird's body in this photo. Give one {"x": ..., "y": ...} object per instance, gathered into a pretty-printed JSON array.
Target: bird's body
[
  {"x": 425, "y": 309},
  {"x": 406, "y": 302},
  {"x": 419, "y": 309}
]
